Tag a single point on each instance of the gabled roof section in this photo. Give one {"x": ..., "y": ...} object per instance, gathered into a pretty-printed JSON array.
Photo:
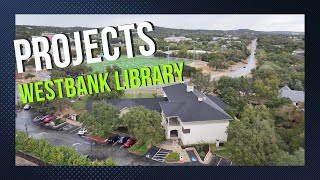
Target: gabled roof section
[
  {"x": 192, "y": 106},
  {"x": 148, "y": 103},
  {"x": 295, "y": 96}
]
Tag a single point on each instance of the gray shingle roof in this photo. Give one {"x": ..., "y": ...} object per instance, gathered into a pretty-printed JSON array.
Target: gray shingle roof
[
  {"x": 186, "y": 105},
  {"x": 295, "y": 96},
  {"x": 181, "y": 103},
  {"x": 149, "y": 103}
]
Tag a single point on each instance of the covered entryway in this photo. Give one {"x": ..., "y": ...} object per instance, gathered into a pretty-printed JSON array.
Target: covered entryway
[{"x": 174, "y": 133}]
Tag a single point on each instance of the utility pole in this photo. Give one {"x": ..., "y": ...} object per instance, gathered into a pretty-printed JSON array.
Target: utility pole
[
  {"x": 26, "y": 129},
  {"x": 168, "y": 54}
]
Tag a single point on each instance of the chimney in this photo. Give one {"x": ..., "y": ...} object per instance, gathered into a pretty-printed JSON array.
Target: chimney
[{"x": 190, "y": 87}]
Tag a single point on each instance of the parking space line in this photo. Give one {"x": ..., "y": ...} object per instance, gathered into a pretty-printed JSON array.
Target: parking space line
[
  {"x": 75, "y": 130},
  {"x": 219, "y": 162},
  {"x": 121, "y": 146},
  {"x": 114, "y": 143},
  {"x": 42, "y": 133}
]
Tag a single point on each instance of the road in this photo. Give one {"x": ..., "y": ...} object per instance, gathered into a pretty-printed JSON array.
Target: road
[
  {"x": 245, "y": 70},
  {"x": 249, "y": 66}
]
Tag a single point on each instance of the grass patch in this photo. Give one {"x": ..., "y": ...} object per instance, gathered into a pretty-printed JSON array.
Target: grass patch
[
  {"x": 139, "y": 148},
  {"x": 130, "y": 63},
  {"x": 173, "y": 157},
  {"x": 79, "y": 105},
  {"x": 220, "y": 151}
]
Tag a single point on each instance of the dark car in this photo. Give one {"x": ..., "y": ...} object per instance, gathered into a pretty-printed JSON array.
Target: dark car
[
  {"x": 43, "y": 117},
  {"x": 123, "y": 139},
  {"x": 113, "y": 138},
  {"x": 129, "y": 143}
]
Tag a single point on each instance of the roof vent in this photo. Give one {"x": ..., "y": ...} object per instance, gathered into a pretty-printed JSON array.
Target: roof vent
[{"x": 190, "y": 87}]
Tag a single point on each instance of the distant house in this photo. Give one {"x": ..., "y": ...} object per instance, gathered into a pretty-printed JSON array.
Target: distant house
[
  {"x": 48, "y": 35},
  {"x": 199, "y": 51},
  {"x": 295, "y": 96},
  {"x": 187, "y": 114},
  {"x": 298, "y": 52},
  {"x": 215, "y": 38},
  {"x": 176, "y": 39}
]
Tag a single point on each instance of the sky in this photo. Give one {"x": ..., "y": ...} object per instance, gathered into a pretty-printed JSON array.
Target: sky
[{"x": 268, "y": 22}]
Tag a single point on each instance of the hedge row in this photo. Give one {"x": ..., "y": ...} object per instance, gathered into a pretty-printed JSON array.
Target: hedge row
[{"x": 55, "y": 155}]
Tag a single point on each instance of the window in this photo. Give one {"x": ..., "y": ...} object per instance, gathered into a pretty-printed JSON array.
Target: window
[{"x": 185, "y": 131}]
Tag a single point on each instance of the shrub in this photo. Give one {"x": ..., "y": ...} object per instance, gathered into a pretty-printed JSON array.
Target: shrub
[{"x": 55, "y": 155}]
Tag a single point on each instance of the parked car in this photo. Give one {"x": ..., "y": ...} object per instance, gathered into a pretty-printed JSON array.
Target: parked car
[
  {"x": 123, "y": 139},
  {"x": 129, "y": 143},
  {"x": 82, "y": 132},
  {"x": 49, "y": 119},
  {"x": 43, "y": 117},
  {"x": 27, "y": 107},
  {"x": 113, "y": 138}
]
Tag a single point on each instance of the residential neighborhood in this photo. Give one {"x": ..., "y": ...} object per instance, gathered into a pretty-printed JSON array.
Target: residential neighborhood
[{"x": 241, "y": 103}]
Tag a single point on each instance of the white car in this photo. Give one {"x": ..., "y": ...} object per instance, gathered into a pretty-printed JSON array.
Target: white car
[
  {"x": 82, "y": 132},
  {"x": 27, "y": 107}
]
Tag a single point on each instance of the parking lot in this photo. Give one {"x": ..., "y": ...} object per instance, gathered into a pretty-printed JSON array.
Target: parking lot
[
  {"x": 157, "y": 154},
  {"x": 70, "y": 128},
  {"x": 219, "y": 161}
]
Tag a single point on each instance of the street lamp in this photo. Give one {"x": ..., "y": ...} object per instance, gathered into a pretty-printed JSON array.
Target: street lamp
[{"x": 26, "y": 129}]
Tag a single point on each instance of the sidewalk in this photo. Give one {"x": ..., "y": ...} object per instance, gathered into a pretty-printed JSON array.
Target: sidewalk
[
  {"x": 174, "y": 146},
  {"x": 23, "y": 162}
]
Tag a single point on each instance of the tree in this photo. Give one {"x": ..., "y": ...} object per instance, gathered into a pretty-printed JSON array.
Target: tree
[
  {"x": 252, "y": 140},
  {"x": 144, "y": 124},
  {"x": 202, "y": 82},
  {"x": 50, "y": 106},
  {"x": 103, "y": 119},
  {"x": 29, "y": 75},
  {"x": 298, "y": 85},
  {"x": 295, "y": 159},
  {"x": 114, "y": 93}
]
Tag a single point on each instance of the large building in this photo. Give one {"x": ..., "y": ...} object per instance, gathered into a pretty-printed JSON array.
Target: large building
[
  {"x": 193, "y": 117},
  {"x": 176, "y": 39},
  {"x": 187, "y": 114}
]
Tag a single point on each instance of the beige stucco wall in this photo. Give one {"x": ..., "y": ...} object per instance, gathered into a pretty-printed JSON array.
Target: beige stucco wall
[{"x": 205, "y": 132}]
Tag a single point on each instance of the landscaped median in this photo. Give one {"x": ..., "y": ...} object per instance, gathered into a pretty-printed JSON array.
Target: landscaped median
[
  {"x": 173, "y": 157},
  {"x": 202, "y": 151},
  {"x": 139, "y": 148},
  {"x": 54, "y": 155}
]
